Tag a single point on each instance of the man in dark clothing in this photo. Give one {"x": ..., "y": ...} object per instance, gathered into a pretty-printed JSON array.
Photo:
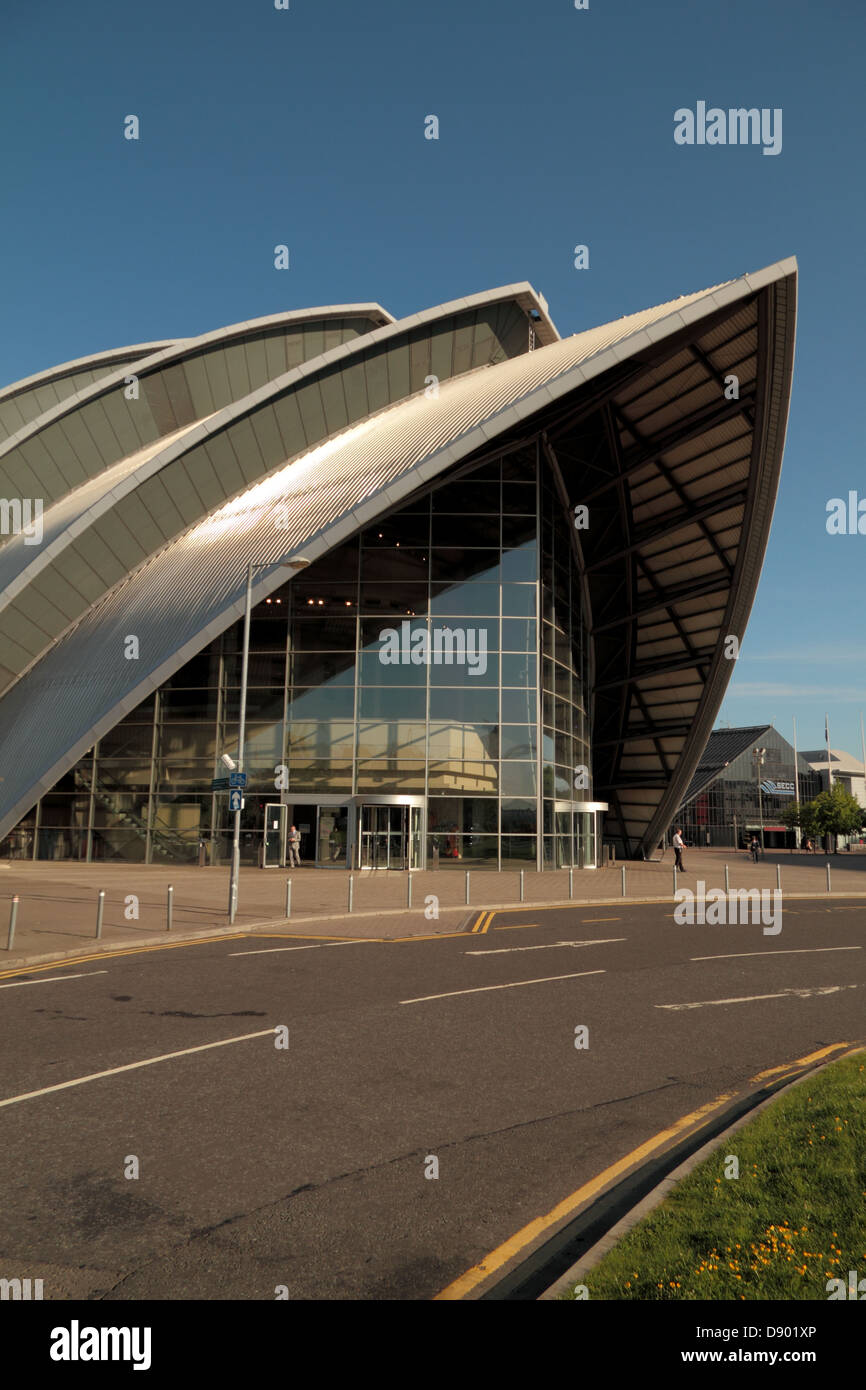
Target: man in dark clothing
[{"x": 679, "y": 846}]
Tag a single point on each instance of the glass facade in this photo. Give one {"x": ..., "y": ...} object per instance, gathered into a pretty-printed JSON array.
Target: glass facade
[
  {"x": 435, "y": 664},
  {"x": 728, "y": 811}
]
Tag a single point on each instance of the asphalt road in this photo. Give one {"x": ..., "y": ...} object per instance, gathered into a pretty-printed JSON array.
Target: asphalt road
[{"x": 304, "y": 1166}]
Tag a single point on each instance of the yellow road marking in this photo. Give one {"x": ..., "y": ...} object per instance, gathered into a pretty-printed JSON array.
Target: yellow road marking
[
  {"x": 110, "y": 955},
  {"x": 478, "y": 1273},
  {"x": 801, "y": 1062}
]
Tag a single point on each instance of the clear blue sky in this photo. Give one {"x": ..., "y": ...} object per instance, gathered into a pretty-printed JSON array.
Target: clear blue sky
[{"x": 305, "y": 127}]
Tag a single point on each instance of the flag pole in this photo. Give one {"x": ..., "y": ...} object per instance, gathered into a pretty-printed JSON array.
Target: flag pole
[{"x": 796, "y": 784}]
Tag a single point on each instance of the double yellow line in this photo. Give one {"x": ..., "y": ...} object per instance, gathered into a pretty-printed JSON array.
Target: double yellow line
[{"x": 482, "y": 922}]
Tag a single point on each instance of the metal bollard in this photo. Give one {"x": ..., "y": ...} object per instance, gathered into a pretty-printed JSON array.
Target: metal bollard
[
  {"x": 675, "y": 880},
  {"x": 467, "y": 887},
  {"x": 351, "y": 890},
  {"x": 571, "y": 883},
  {"x": 521, "y": 886},
  {"x": 779, "y": 877},
  {"x": 828, "y": 877},
  {"x": 727, "y": 880},
  {"x": 623, "y": 880},
  {"x": 409, "y": 889},
  {"x": 100, "y": 905},
  {"x": 169, "y": 907},
  {"x": 288, "y": 898},
  {"x": 13, "y": 916}
]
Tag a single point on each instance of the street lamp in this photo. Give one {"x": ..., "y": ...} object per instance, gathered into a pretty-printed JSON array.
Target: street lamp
[
  {"x": 759, "y": 754},
  {"x": 245, "y": 664}
]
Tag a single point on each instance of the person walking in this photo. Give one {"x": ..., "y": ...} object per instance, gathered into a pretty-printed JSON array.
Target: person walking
[
  {"x": 679, "y": 845},
  {"x": 755, "y": 848},
  {"x": 294, "y": 848}
]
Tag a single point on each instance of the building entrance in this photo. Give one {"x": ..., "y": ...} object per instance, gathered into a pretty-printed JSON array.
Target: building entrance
[{"x": 389, "y": 837}]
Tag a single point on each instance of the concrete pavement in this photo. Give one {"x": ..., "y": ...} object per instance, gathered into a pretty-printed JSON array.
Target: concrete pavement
[{"x": 58, "y": 902}]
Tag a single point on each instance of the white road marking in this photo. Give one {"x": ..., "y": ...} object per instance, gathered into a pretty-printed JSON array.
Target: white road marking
[
  {"x": 133, "y": 1066},
  {"x": 550, "y": 946},
  {"x": 515, "y": 984},
  {"x": 316, "y": 946},
  {"x": 800, "y": 951},
  {"x": 751, "y": 998},
  {"x": 16, "y": 984}
]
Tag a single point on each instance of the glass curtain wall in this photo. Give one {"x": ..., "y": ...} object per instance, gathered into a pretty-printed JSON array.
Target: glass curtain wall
[{"x": 415, "y": 660}]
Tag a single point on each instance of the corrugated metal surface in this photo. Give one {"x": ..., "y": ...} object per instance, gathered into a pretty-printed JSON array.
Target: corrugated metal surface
[{"x": 329, "y": 370}]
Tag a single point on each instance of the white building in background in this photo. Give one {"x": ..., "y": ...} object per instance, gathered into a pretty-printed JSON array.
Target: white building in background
[{"x": 845, "y": 768}]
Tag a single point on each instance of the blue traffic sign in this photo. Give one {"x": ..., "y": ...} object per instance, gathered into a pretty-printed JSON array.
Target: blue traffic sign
[
  {"x": 235, "y": 800},
  {"x": 237, "y": 779}
]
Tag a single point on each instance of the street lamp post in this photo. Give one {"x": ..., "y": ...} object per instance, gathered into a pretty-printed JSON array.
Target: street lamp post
[
  {"x": 759, "y": 754},
  {"x": 242, "y": 722}
]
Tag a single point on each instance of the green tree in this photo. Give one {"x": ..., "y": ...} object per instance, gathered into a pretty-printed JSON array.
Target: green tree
[
  {"x": 837, "y": 812},
  {"x": 800, "y": 814}
]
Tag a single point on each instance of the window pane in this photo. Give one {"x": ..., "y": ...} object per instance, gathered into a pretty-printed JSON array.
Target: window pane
[
  {"x": 453, "y": 565},
  {"x": 385, "y": 703},
  {"x": 187, "y": 704},
  {"x": 518, "y": 497},
  {"x": 466, "y": 705},
  {"x": 519, "y": 564},
  {"x": 466, "y": 531},
  {"x": 324, "y": 634},
  {"x": 395, "y": 565},
  {"x": 518, "y": 851},
  {"x": 321, "y": 740},
  {"x": 391, "y": 777},
  {"x": 518, "y": 600},
  {"x": 467, "y": 497},
  {"x": 467, "y": 599},
  {"x": 318, "y": 598},
  {"x": 187, "y": 741},
  {"x": 518, "y": 670},
  {"x": 465, "y": 814},
  {"x": 328, "y": 702},
  {"x": 518, "y": 635},
  {"x": 322, "y": 668},
  {"x": 467, "y": 776},
  {"x": 394, "y": 600},
  {"x": 394, "y": 738},
  {"x": 517, "y": 741},
  {"x": 261, "y": 704},
  {"x": 463, "y": 741},
  {"x": 518, "y": 530},
  {"x": 334, "y": 776},
  {"x": 518, "y": 779},
  {"x": 518, "y": 817},
  {"x": 375, "y": 671},
  {"x": 479, "y": 668},
  {"x": 518, "y": 706},
  {"x": 411, "y": 529}
]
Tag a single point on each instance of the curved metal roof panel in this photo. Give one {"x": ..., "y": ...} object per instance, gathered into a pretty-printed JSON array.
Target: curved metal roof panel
[{"x": 132, "y": 508}]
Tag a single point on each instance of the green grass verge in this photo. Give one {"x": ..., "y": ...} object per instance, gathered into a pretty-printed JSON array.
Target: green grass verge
[{"x": 794, "y": 1218}]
